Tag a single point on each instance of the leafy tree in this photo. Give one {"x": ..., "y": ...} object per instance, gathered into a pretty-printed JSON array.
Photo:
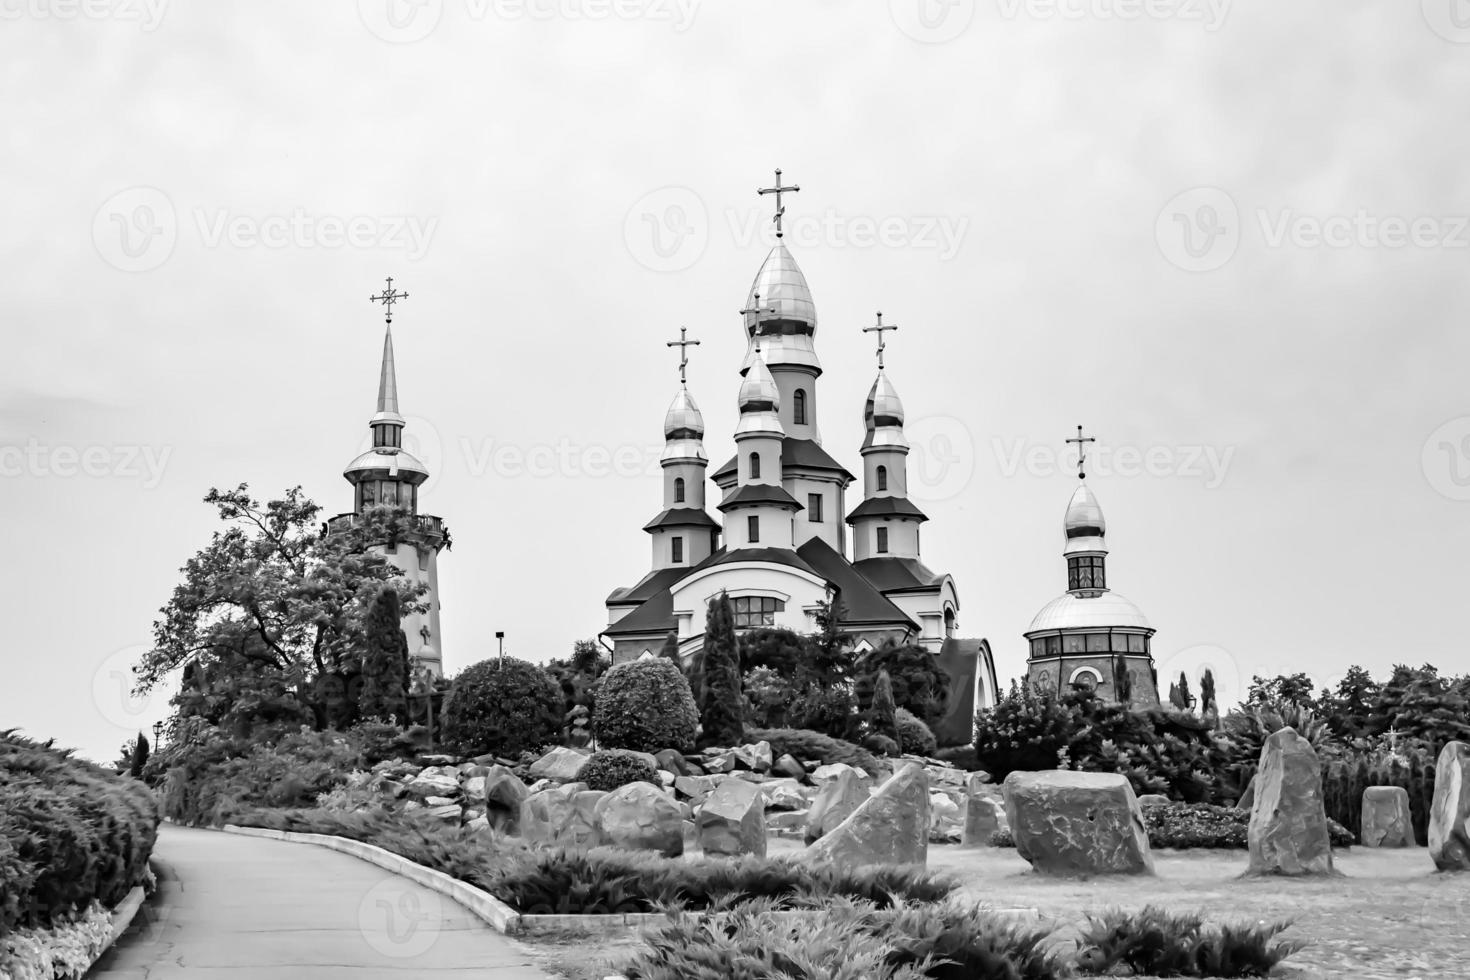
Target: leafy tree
[
  {"x": 830, "y": 652},
  {"x": 718, "y": 696},
  {"x": 882, "y": 715},
  {"x": 785, "y": 651},
  {"x": 578, "y": 674},
  {"x": 1420, "y": 704},
  {"x": 1348, "y": 709},
  {"x": 384, "y": 690},
  {"x": 273, "y": 597},
  {"x": 1284, "y": 689}
]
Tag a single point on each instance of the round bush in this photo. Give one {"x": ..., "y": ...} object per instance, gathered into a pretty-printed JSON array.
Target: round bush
[
  {"x": 646, "y": 706},
  {"x": 914, "y": 737},
  {"x": 506, "y": 708},
  {"x": 615, "y": 767}
]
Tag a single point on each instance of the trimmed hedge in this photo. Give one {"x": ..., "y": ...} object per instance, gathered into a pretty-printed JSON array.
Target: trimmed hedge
[
  {"x": 609, "y": 769},
  {"x": 808, "y": 746},
  {"x": 915, "y": 737},
  {"x": 71, "y": 834},
  {"x": 505, "y": 707},
  {"x": 646, "y": 706}
]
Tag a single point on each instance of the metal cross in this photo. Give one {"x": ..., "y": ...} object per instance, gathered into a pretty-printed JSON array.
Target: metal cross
[
  {"x": 683, "y": 343},
  {"x": 757, "y": 309},
  {"x": 1081, "y": 451},
  {"x": 778, "y": 190},
  {"x": 388, "y": 297},
  {"x": 880, "y": 327}
]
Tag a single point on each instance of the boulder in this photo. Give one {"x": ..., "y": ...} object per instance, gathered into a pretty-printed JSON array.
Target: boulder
[
  {"x": 665, "y": 778},
  {"x": 432, "y": 801},
  {"x": 1386, "y": 819},
  {"x": 786, "y": 821},
  {"x": 1247, "y": 799},
  {"x": 733, "y": 820},
  {"x": 474, "y": 787},
  {"x": 984, "y": 817},
  {"x": 695, "y": 788},
  {"x": 829, "y": 772},
  {"x": 449, "y": 813},
  {"x": 640, "y": 816},
  {"x": 477, "y": 824},
  {"x": 835, "y": 802},
  {"x": 504, "y": 794},
  {"x": 725, "y": 762},
  {"x": 1077, "y": 823},
  {"x": 561, "y": 817},
  {"x": 945, "y": 776},
  {"x": 1288, "y": 829},
  {"x": 890, "y": 827},
  {"x": 788, "y": 766},
  {"x": 750, "y": 777},
  {"x": 442, "y": 761},
  {"x": 756, "y": 757},
  {"x": 784, "y": 794},
  {"x": 675, "y": 763},
  {"x": 1449, "y": 814},
  {"x": 434, "y": 782},
  {"x": 946, "y": 818},
  {"x": 561, "y": 763},
  {"x": 541, "y": 784},
  {"x": 1153, "y": 799}
]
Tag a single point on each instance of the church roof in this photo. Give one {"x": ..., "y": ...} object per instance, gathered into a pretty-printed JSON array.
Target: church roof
[
  {"x": 759, "y": 493},
  {"x": 862, "y": 604},
  {"x": 648, "y": 586},
  {"x": 656, "y": 615},
  {"x": 886, "y": 507},
  {"x": 897, "y": 574},
  {"x": 795, "y": 454},
  {"x": 1098, "y": 610},
  {"x": 682, "y": 517}
]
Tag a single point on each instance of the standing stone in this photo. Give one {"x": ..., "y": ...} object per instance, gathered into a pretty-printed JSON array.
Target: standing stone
[
  {"x": 640, "y": 816},
  {"x": 733, "y": 820},
  {"x": 984, "y": 814},
  {"x": 788, "y": 766},
  {"x": 1247, "y": 799},
  {"x": 1288, "y": 829},
  {"x": 1386, "y": 818},
  {"x": 835, "y": 802},
  {"x": 890, "y": 827},
  {"x": 1449, "y": 814},
  {"x": 1077, "y": 823},
  {"x": 946, "y": 818},
  {"x": 504, "y": 794},
  {"x": 552, "y": 817},
  {"x": 561, "y": 764}
]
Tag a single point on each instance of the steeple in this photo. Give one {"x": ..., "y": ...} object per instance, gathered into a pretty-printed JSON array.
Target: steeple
[
  {"x": 886, "y": 523},
  {"x": 388, "y": 380},
  {"x": 1086, "y": 549},
  {"x": 387, "y": 474},
  {"x": 683, "y": 534}
]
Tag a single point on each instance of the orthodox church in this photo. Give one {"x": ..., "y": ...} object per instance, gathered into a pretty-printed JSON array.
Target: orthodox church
[
  {"x": 1081, "y": 635},
  {"x": 781, "y": 545}
]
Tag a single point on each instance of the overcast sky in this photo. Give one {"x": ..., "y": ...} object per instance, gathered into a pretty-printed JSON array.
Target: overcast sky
[{"x": 1229, "y": 238}]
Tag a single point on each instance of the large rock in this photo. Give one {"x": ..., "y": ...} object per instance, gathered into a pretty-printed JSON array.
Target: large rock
[
  {"x": 835, "y": 802},
  {"x": 945, "y": 776},
  {"x": 830, "y": 771},
  {"x": 891, "y": 826},
  {"x": 674, "y": 762},
  {"x": 1077, "y": 823},
  {"x": 561, "y": 817},
  {"x": 434, "y": 782},
  {"x": 946, "y": 818},
  {"x": 1386, "y": 818},
  {"x": 984, "y": 817},
  {"x": 1247, "y": 799},
  {"x": 1288, "y": 829},
  {"x": 562, "y": 764},
  {"x": 1449, "y": 814},
  {"x": 696, "y": 788},
  {"x": 755, "y": 757},
  {"x": 788, "y": 766},
  {"x": 785, "y": 794},
  {"x": 504, "y": 794},
  {"x": 640, "y": 816},
  {"x": 733, "y": 820}
]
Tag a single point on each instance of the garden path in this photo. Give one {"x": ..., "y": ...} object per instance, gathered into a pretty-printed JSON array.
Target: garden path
[{"x": 248, "y": 907}]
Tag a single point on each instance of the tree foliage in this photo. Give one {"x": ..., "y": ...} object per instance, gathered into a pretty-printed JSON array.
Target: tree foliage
[
  {"x": 646, "y": 706},
  {"x": 384, "y": 671},
  {"x": 504, "y": 706},
  {"x": 919, "y": 683},
  {"x": 721, "y": 712}
]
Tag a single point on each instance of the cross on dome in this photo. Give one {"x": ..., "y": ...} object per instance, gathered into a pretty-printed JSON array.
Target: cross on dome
[
  {"x": 880, "y": 328},
  {"x": 388, "y": 297},
  {"x": 1081, "y": 451},
  {"x": 683, "y": 343},
  {"x": 778, "y": 190}
]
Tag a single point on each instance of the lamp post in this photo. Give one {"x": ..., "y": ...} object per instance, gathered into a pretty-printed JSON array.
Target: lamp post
[
  {"x": 500, "y": 639},
  {"x": 157, "y": 733}
]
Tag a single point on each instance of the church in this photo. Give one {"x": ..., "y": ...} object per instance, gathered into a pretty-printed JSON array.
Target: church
[{"x": 781, "y": 546}]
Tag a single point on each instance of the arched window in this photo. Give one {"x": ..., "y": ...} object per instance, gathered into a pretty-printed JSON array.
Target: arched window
[
  {"x": 755, "y": 466},
  {"x": 882, "y": 478},
  {"x": 678, "y": 490},
  {"x": 798, "y": 406}
]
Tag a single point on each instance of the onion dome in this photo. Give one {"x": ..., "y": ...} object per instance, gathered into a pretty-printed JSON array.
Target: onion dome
[
  {"x": 1084, "y": 526},
  {"x": 760, "y": 399},
  {"x": 781, "y": 311},
  {"x": 883, "y": 416},
  {"x": 1106, "y": 610},
  {"x": 683, "y": 428}
]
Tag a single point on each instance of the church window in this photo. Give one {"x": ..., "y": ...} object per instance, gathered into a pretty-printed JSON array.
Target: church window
[
  {"x": 1074, "y": 643},
  {"x": 882, "y": 540},
  {"x": 1053, "y": 644},
  {"x": 752, "y": 611},
  {"x": 882, "y": 478},
  {"x": 679, "y": 490},
  {"x": 1097, "y": 643},
  {"x": 390, "y": 494},
  {"x": 1038, "y": 647},
  {"x": 753, "y": 528},
  {"x": 755, "y": 466},
  {"x": 798, "y": 406},
  {"x": 1137, "y": 643},
  {"x": 814, "y": 507},
  {"x": 1086, "y": 572},
  {"x": 677, "y": 546}
]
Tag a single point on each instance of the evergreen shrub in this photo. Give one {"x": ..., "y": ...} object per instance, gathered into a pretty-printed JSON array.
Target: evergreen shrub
[
  {"x": 505, "y": 707},
  {"x": 646, "y": 706},
  {"x": 609, "y": 769}
]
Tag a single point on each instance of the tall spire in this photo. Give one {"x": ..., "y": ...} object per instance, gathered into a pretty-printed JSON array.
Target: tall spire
[{"x": 388, "y": 380}]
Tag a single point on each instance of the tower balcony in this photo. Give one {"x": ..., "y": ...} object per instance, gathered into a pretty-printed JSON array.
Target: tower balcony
[{"x": 424, "y": 529}]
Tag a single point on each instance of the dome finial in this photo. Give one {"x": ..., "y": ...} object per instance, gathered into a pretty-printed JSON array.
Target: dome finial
[
  {"x": 778, "y": 190},
  {"x": 388, "y": 297},
  {"x": 683, "y": 343},
  {"x": 880, "y": 327},
  {"x": 1081, "y": 452}
]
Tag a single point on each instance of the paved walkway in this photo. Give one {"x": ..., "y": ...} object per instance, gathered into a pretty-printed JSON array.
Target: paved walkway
[{"x": 249, "y": 907}]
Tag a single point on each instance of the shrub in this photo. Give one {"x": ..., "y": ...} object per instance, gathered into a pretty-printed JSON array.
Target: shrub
[
  {"x": 1198, "y": 825},
  {"x": 504, "y": 707},
  {"x": 646, "y": 706},
  {"x": 961, "y": 757},
  {"x": 1156, "y": 942},
  {"x": 966, "y": 943},
  {"x": 882, "y": 712},
  {"x": 914, "y": 737},
  {"x": 809, "y": 746},
  {"x": 918, "y": 682},
  {"x": 881, "y": 744},
  {"x": 613, "y": 768}
]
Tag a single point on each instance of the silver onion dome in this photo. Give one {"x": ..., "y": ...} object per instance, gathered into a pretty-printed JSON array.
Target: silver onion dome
[
  {"x": 782, "y": 313},
  {"x": 883, "y": 415},
  {"x": 1084, "y": 526},
  {"x": 760, "y": 400},
  {"x": 683, "y": 419}
]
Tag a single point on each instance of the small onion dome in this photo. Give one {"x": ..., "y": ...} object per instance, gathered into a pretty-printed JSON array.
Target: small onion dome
[
  {"x": 683, "y": 420},
  {"x": 883, "y": 416},
  {"x": 782, "y": 289},
  {"x": 1101, "y": 610},
  {"x": 760, "y": 401},
  {"x": 1084, "y": 526},
  {"x": 387, "y": 462}
]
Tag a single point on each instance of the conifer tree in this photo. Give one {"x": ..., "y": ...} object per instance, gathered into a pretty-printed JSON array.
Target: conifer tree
[
  {"x": 670, "y": 650},
  {"x": 140, "y": 757},
  {"x": 1184, "y": 692},
  {"x": 384, "y": 692},
  {"x": 718, "y": 694},
  {"x": 884, "y": 714},
  {"x": 1122, "y": 682}
]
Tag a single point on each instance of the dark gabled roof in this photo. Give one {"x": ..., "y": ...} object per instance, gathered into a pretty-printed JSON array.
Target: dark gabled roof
[
  {"x": 861, "y": 603},
  {"x": 886, "y": 507},
  {"x": 795, "y": 453},
  {"x": 776, "y": 556},
  {"x": 759, "y": 493},
  {"x": 648, "y": 586},
  {"x": 896, "y": 574},
  {"x": 682, "y": 517},
  {"x": 654, "y": 616}
]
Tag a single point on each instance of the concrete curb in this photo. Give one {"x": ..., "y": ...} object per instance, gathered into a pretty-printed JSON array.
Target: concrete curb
[{"x": 122, "y": 918}]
